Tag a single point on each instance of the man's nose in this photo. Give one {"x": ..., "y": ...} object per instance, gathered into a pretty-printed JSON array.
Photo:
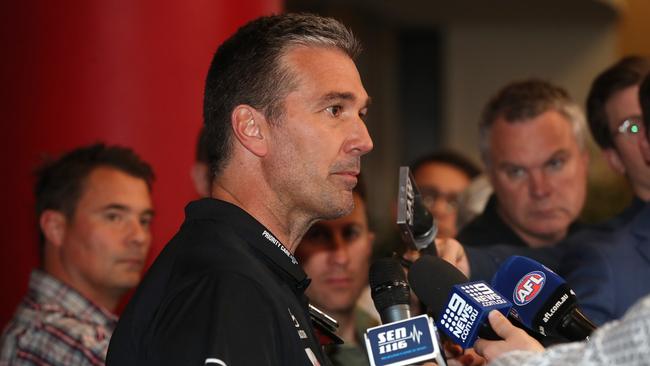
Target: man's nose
[
  {"x": 359, "y": 141},
  {"x": 340, "y": 254},
  {"x": 539, "y": 185}
]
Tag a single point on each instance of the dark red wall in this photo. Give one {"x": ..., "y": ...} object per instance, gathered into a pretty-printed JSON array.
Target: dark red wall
[{"x": 121, "y": 71}]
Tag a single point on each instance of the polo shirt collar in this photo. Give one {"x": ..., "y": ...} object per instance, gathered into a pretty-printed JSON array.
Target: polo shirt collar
[{"x": 272, "y": 251}]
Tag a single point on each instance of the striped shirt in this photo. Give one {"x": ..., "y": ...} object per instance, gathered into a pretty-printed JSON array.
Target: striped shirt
[{"x": 55, "y": 325}]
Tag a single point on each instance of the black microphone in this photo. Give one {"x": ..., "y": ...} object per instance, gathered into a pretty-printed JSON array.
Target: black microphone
[
  {"x": 401, "y": 340},
  {"x": 417, "y": 227},
  {"x": 436, "y": 283},
  {"x": 542, "y": 300},
  {"x": 389, "y": 290}
]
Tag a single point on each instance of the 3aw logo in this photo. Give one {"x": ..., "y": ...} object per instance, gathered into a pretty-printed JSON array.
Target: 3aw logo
[{"x": 528, "y": 287}]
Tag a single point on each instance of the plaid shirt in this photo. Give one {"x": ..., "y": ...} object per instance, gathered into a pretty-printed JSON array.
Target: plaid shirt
[{"x": 55, "y": 325}]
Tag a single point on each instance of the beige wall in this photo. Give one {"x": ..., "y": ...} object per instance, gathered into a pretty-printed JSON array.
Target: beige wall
[
  {"x": 634, "y": 30},
  {"x": 482, "y": 58}
]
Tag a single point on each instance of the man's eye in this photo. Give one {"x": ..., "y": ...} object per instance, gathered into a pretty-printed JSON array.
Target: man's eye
[
  {"x": 113, "y": 216},
  {"x": 145, "y": 221},
  {"x": 363, "y": 113},
  {"x": 351, "y": 233},
  {"x": 334, "y": 110},
  {"x": 555, "y": 164},
  {"x": 515, "y": 172},
  {"x": 316, "y": 233}
]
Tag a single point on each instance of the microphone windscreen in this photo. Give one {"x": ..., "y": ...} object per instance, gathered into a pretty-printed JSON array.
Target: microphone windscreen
[
  {"x": 529, "y": 285},
  {"x": 432, "y": 279},
  {"x": 388, "y": 284}
]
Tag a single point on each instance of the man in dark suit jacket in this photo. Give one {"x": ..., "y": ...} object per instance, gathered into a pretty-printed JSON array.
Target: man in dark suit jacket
[
  {"x": 610, "y": 270},
  {"x": 611, "y": 274},
  {"x": 613, "y": 114}
]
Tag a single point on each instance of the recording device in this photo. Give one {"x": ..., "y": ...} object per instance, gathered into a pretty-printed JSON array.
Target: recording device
[
  {"x": 542, "y": 301},
  {"x": 325, "y": 326},
  {"x": 461, "y": 307},
  {"x": 401, "y": 340},
  {"x": 416, "y": 225}
]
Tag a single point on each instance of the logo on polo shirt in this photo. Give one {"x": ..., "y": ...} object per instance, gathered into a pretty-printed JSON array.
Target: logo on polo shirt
[
  {"x": 268, "y": 236},
  {"x": 214, "y": 361},
  {"x": 301, "y": 333}
]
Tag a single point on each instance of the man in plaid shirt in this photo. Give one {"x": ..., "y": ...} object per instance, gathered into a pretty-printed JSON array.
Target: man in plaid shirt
[{"x": 93, "y": 207}]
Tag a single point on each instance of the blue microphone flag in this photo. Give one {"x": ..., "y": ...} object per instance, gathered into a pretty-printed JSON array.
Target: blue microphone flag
[
  {"x": 467, "y": 309},
  {"x": 530, "y": 285}
]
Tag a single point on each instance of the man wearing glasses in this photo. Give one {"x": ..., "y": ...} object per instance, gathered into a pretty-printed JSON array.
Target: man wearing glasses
[
  {"x": 609, "y": 266},
  {"x": 441, "y": 178}
]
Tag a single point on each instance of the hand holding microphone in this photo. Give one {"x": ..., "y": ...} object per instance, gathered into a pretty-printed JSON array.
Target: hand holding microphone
[{"x": 513, "y": 339}]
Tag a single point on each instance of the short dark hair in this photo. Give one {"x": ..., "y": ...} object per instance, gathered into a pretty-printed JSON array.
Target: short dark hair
[
  {"x": 247, "y": 69},
  {"x": 644, "y": 99},
  {"x": 524, "y": 100},
  {"x": 60, "y": 182},
  {"x": 448, "y": 157},
  {"x": 626, "y": 73}
]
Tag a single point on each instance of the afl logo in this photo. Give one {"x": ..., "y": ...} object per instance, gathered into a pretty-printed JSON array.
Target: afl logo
[{"x": 528, "y": 287}]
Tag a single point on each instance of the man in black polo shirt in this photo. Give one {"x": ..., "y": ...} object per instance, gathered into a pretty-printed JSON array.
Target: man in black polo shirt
[{"x": 284, "y": 108}]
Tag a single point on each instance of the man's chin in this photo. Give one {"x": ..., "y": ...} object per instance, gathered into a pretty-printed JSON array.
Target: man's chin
[
  {"x": 337, "y": 307},
  {"x": 127, "y": 282},
  {"x": 338, "y": 209}
]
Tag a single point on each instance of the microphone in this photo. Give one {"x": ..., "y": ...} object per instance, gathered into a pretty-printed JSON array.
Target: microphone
[
  {"x": 416, "y": 225},
  {"x": 389, "y": 290},
  {"x": 401, "y": 340},
  {"x": 542, "y": 301},
  {"x": 461, "y": 307}
]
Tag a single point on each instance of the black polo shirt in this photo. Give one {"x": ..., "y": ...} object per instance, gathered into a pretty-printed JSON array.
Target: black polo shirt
[{"x": 224, "y": 291}]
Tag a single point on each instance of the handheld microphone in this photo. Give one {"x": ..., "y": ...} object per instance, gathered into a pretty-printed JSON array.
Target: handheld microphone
[
  {"x": 461, "y": 307},
  {"x": 417, "y": 227},
  {"x": 401, "y": 340},
  {"x": 389, "y": 290},
  {"x": 542, "y": 301}
]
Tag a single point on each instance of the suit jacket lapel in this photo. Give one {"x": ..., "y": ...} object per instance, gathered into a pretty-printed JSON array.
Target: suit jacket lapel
[{"x": 641, "y": 232}]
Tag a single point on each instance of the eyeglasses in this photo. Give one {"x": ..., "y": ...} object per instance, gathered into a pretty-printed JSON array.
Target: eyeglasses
[
  {"x": 431, "y": 195},
  {"x": 630, "y": 126}
]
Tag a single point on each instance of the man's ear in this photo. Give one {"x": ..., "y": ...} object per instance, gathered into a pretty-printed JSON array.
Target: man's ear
[
  {"x": 614, "y": 160},
  {"x": 250, "y": 128},
  {"x": 52, "y": 225},
  {"x": 200, "y": 175}
]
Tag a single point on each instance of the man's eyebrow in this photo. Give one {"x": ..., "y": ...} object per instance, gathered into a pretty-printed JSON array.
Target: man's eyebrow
[
  {"x": 120, "y": 207},
  {"x": 332, "y": 96},
  {"x": 115, "y": 206},
  {"x": 561, "y": 153},
  {"x": 509, "y": 165}
]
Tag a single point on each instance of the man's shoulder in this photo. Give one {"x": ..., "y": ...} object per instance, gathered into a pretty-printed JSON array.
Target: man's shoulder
[
  {"x": 488, "y": 229},
  {"x": 47, "y": 334}
]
